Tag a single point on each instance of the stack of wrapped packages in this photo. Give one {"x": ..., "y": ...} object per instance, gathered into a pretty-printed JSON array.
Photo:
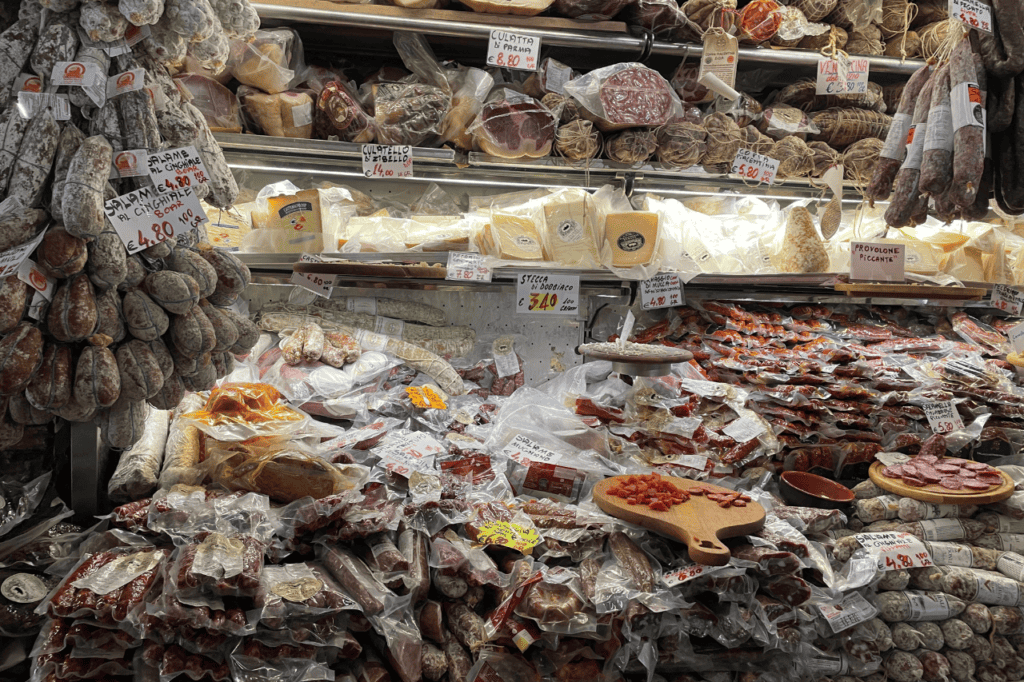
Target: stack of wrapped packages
[{"x": 439, "y": 522}]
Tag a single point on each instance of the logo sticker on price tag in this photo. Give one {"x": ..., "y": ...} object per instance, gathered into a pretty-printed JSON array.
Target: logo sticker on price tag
[
  {"x": 321, "y": 285},
  {"x": 853, "y": 609},
  {"x": 755, "y": 167},
  {"x": 150, "y": 216},
  {"x": 876, "y": 262},
  {"x": 387, "y": 161},
  {"x": 30, "y": 274},
  {"x": 177, "y": 168},
  {"x": 895, "y": 551},
  {"x": 524, "y": 451},
  {"x": 513, "y": 50},
  {"x": 79, "y": 74},
  {"x": 973, "y": 13},
  {"x": 549, "y": 294},
  {"x": 943, "y": 417},
  {"x": 1007, "y": 299},
  {"x": 467, "y": 267},
  {"x": 661, "y": 291}
]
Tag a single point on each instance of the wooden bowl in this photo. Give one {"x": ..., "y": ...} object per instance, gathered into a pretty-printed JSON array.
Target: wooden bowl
[{"x": 802, "y": 489}]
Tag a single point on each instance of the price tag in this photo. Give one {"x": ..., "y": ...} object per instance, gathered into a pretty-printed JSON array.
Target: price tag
[
  {"x": 37, "y": 306},
  {"x": 467, "y": 267},
  {"x": 80, "y": 74},
  {"x": 10, "y": 205},
  {"x": 321, "y": 285},
  {"x": 524, "y": 451},
  {"x": 558, "y": 75},
  {"x": 31, "y": 103},
  {"x": 698, "y": 462},
  {"x": 361, "y": 304},
  {"x": 549, "y": 294},
  {"x": 687, "y": 573},
  {"x": 972, "y": 13},
  {"x": 127, "y": 81},
  {"x": 507, "y": 364},
  {"x": 857, "y": 76},
  {"x": 11, "y": 259},
  {"x": 832, "y": 75},
  {"x": 371, "y": 340},
  {"x": 425, "y": 397},
  {"x": 177, "y": 168},
  {"x": 389, "y": 326},
  {"x": 387, "y": 161},
  {"x": 1007, "y": 299},
  {"x": 943, "y": 417},
  {"x": 744, "y": 429},
  {"x": 406, "y": 453},
  {"x": 852, "y": 610},
  {"x": 30, "y": 274},
  {"x": 1016, "y": 336},
  {"x": 150, "y": 216},
  {"x": 720, "y": 57},
  {"x": 876, "y": 262},
  {"x": 513, "y": 50},
  {"x": 753, "y": 166},
  {"x": 895, "y": 551},
  {"x": 661, "y": 291}
]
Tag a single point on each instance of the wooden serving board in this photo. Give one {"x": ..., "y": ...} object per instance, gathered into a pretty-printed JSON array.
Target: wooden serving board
[
  {"x": 936, "y": 494},
  {"x": 355, "y": 269},
  {"x": 911, "y": 291},
  {"x": 699, "y": 523}
]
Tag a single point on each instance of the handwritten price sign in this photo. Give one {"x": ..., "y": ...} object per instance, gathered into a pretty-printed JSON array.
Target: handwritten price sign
[
  {"x": 1007, "y": 299},
  {"x": 513, "y": 50},
  {"x": 318, "y": 284},
  {"x": 755, "y": 167},
  {"x": 177, "y": 168},
  {"x": 688, "y": 573},
  {"x": 467, "y": 267},
  {"x": 943, "y": 417},
  {"x": 550, "y": 294},
  {"x": 150, "y": 216},
  {"x": 387, "y": 161},
  {"x": 404, "y": 454},
  {"x": 661, "y": 291},
  {"x": 895, "y": 551},
  {"x": 972, "y": 13}
]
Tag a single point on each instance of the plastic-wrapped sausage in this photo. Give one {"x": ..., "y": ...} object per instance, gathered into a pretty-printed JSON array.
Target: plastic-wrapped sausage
[
  {"x": 915, "y": 510},
  {"x": 935, "y": 666},
  {"x": 633, "y": 559},
  {"x": 413, "y": 546},
  {"x": 431, "y": 621},
  {"x": 913, "y": 605},
  {"x": 877, "y": 508},
  {"x": 466, "y": 625},
  {"x": 1007, "y": 620},
  {"x": 434, "y": 663},
  {"x": 956, "y": 633},
  {"x": 459, "y": 662},
  {"x": 879, "y": 633},
  {"x": 944, "y": 529},
  {"x": 963, "y": 555},
  {"x": 356, "y": 578},
  {"x": 987, "y": 587},
  {"x": 451, "y": 586}
]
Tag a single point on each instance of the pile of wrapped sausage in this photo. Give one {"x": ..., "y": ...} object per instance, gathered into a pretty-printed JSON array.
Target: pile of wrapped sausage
[{"x": 114, "y": 331}]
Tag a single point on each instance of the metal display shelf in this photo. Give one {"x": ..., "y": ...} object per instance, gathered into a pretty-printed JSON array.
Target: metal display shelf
[
  {"x": 265, "y": 144},
  {"x": 449, "y": 24}
]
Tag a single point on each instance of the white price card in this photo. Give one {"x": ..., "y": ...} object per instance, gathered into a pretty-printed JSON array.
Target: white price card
[
  {"x": 876, "y": 262},
  {"x": 943, "y": 417},
  {"x": 661, "y": 291},
  {"x": 895, "y": 551},
  {"x": 524, "y": 451},
  {"x": 755, "y": 167},
  {"x": 513, "y": 50},
  {"x": 852, "y": 610},
  {"x": 387, "y": 161},
  {"x": 548, "y": 294},
  {"x": 973, "y": 13},
  {"x": 321, "y": 285},
  {"x": 744, "y": 429},
  {"x": 832, "y": 75},
  {"x": 11, "y": 259},
  {"x": 30, "y": 274},
  {"x": 1007, "y": 299},
  {"x": 857, "y": 76},
  {"x": 685, "y": 574},
  {"x": 720, "y": 57},
  {"x": 409, "y": 452},
  {"x": 31, "y": 103},
  {"x": 464, "y": 266},
  {"x": 37, "y": 306},
  {"x": 149, "y": 216},
  {"x": 1016, "y": 336},
  {"x": 177, "y": 168}
]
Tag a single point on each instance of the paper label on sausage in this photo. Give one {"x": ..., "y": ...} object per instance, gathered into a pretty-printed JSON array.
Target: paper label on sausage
[
  {"x": 119, "y": 572},
  {"x": 942, "y": 529},
  {"x": 1004, "y": 524},
  {"x": 996, "y": 589},
  {"x": 1011, "y": 564},
  {"x": 928, "y": 606},
  {"x": 507, "y": 364},
  {"x": 361, "y": 304},
  {"x": 557, "y": 77},
  {"x": 389, "y": 326},
  {"x": 826, "y": 665},
  {"x": 853, "y": 609},
  {"x": 896, "y": 141},
  {"x": 940, "y": 128},
  {"x": 371, "y": 340},
  {"x": 685, "y": 574},
  {"x": 1011, "y": 542},
  {"x": 915, "y": 146},
  {"x": 951, "y": 554},
  {"x": 965, "y": 99}
]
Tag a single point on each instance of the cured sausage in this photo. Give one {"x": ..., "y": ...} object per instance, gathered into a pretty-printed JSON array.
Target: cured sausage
[
  {"x": 969, "y": 130},
  {"x": 937, "y": 162},
  {"x": 905, "y": 190},
  {"x": 895, "y": 149},
  {"x": 86, "y": 180}
]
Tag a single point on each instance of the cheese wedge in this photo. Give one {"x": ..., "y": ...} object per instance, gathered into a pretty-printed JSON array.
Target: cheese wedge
[
  {"x": 632, "y": 237},
  {"x": 515, "y": 237},
  {"x": 569, "y": 229}
]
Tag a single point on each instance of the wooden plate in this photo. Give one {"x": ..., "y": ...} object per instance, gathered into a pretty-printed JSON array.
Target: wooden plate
[
  {"x": 935, "y": 493},
  {"x": 356, "y": 269},
  {"x": 911, "y": 291},
  {"x": 698, "y": 522}
]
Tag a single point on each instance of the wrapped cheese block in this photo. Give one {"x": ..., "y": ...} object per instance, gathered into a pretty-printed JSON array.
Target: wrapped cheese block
[
  {"x": 632, "y": 237},
  {"x": 286, "y": 114},
  {"x": 569, "y": 228}
]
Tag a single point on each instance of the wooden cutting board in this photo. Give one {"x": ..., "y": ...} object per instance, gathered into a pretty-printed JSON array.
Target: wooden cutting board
[
  {"x": 699, "y": 523},
  {"x": 937, "y": 494}
]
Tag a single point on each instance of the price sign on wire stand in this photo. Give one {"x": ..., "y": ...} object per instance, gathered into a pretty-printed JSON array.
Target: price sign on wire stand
[
  {"x": 548, "y": 294},
  {"x": 513, "y": 50},
  {"x": 943, "y": 417},
  {"x": 661, "y": 291},
  {"x": 973, "y": 14}
]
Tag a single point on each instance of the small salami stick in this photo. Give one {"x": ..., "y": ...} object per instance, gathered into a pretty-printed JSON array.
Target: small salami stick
[
  {"x": 968, "y": 126},
  {"x": 905, "y": 190},
  {"x": 937, "y": 162},
  {"x": 895, "y": 142}
]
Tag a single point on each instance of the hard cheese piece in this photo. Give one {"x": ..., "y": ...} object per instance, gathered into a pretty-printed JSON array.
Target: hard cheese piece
[
  {"x": 570, "y": 231},
  {"x": 516, "y": 238},
  {"x": 632, "y": 237}
]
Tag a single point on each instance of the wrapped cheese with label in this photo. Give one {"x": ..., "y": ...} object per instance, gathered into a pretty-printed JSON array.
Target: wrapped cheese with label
[
  {"x": 513, "y": 237},
  {"x": 632, "y": 237},
  {"x": 570, "y": 236},
  {"x": 290, "y": 218},
  {"x": 286, "y": 114}
]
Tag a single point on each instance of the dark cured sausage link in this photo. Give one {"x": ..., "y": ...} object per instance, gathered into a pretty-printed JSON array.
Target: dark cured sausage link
[
  {"x": 1003, "y": 50},
  {"x": 1001, "y": 104},
  {"x": 937, "y": 162},
  {"x": 968, "y": 141},
  {"x": 904, "y": 196},
  {"x": 979, "y": 209},
  {"x": 885, "y": 170}
]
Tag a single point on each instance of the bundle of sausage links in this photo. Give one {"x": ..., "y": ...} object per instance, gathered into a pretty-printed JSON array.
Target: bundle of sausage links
[{"x": 119, "y": 330}]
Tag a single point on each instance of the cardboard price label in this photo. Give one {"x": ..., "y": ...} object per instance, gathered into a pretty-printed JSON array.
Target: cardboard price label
[
  {"x": 895, "y": 551},
  {"x": 832, "y": 75},
  {"x": 854, "y": 609},
  {"x": 30, "y": 274},
  {"x": 661, "y": 291},
  {"x": 177, "y": 168},
  {"x": 972, "y": 13},
  {"x": 876, "y": 262},
  {"x": 525, "y": 451},
  {"x": 387, "y": 161},
  {"x": 409, "y": 452},
  {"x": 150, "y": 216},
  {"x": 321, "y": 285},
  {"x": 549, "y": 294},
  {"x": 687, "y": 573},
  {"x": 755, "y": 167},
  {"x": 1007, "y": 299},
  {"x": 513, "y": 50},
  {"x": 720, "y": 58},
  {"x": 425, "y": 397},
  {"x": 943, "y": 417},
  {"x": 127, "y": 81},
  {"x": 467, "y": 267},
  {"x": 1016, "y": 336}
]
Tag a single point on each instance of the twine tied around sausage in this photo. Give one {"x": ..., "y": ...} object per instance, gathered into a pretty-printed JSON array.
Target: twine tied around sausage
[{"x": 908, "y": 16}]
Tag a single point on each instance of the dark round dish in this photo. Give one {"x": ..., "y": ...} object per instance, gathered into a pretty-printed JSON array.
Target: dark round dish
[{"x": 802, "y": 489}]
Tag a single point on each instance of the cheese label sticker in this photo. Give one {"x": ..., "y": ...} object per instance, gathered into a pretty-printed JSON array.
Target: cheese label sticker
[
  {"x": 876, "y": 262},
  {"x": 509, "y": 50}
]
